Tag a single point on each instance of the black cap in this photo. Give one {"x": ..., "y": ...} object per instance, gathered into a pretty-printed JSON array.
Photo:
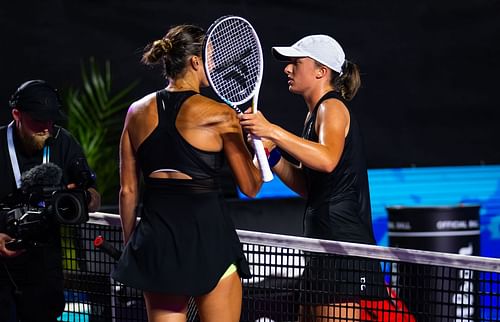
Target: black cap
[{"x": 40, "y": 100}]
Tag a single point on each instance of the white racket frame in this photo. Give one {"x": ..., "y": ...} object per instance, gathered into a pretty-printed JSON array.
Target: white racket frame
[{"x": 267, "y": 174}]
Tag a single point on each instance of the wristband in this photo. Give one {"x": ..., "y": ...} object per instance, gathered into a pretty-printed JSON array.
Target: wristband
[{"x": 274, "y": 157}]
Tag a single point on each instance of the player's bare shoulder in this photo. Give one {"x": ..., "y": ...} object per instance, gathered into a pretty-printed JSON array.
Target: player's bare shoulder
[
  {"x": 213, "y": 112},
  {"x": 333, "y": 113},
  {"x": 142, "y": 109},
  {"x": 143, "y": 105},
  {"x": 333, "y": 107}
]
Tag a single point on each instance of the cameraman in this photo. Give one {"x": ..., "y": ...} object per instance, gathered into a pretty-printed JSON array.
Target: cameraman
[{"x": 31, "y": 280}]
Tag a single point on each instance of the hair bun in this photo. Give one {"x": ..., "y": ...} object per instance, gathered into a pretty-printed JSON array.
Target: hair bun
[{"x": 164, "y": 44}]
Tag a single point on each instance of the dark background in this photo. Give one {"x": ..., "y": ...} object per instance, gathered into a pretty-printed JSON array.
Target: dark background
[{"x": 430, "y": 69}]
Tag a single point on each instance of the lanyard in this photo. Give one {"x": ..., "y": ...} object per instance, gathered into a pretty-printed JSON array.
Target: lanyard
[{"x": 13, "y": 156}]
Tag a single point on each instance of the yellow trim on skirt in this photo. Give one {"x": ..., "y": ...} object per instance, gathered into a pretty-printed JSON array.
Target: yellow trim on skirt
[{"x": 230, "y": 270}]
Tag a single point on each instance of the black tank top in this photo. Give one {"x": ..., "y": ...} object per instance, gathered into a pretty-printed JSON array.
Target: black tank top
[
  {"x": 165, "y": 148},
  {"x": 347, "y": 182}
]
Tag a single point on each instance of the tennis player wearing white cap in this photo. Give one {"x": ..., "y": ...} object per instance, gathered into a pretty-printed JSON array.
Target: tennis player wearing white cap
[{"x": 331, "y": 175}]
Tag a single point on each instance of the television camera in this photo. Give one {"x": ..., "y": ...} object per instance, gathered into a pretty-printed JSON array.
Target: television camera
[{"x": 42, "y": 202}]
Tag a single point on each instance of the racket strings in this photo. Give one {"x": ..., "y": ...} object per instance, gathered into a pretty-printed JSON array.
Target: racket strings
[{"x": 234, "y": 60}]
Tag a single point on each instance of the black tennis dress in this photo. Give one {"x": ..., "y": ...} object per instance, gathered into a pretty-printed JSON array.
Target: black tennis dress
[
  {"x": 338, "y": 208},
  {"x": 185, "y": 240}
]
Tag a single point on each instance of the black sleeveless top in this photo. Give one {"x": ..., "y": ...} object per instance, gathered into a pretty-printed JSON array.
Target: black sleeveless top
[
  {"x": 185, "y": 240},
  {"x": 165, "y": 148},
  {"x": 338, "y": 204}
]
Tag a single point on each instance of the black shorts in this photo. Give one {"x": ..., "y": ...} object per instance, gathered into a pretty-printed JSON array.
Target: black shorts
[{"x": 331, "y": 279}]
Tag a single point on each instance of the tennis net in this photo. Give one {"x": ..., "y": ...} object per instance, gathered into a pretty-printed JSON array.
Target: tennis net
[{"x": 298, "y": 279}]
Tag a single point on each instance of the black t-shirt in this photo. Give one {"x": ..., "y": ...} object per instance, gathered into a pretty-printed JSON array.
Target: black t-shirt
[{"x": 36, "y": 262}]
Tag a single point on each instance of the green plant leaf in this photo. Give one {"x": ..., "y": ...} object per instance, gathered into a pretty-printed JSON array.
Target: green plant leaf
[{"x": 95, "y": 118}]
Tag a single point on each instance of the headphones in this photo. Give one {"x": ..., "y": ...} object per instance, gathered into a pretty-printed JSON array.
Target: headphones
[{"x": 14, "y": 99}]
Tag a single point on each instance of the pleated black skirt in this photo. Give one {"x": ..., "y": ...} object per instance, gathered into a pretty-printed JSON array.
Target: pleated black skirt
[{"x": 183, "y": 243}]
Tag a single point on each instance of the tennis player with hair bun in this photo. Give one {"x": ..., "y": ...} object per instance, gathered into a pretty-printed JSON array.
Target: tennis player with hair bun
[
  {"x": 332, "y": 174},
  {"x": 185, "y": 243}
]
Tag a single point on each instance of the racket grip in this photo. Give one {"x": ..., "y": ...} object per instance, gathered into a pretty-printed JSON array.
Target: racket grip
[
  {"x": 103, "y": 244},
  {"x": 265, "y": 170}
]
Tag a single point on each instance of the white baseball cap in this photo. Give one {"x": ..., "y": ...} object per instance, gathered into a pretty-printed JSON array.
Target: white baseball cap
[{"x": 322, "y": 48}]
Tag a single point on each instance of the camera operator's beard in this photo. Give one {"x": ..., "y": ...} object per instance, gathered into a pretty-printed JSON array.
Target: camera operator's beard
[
  {"x": 39, "y": 140},
  {"x": 35, "y": 142}
]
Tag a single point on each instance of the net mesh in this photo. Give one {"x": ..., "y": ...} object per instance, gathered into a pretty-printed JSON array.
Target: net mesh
[
  {"x": 300, "y": 279},
  {"x": 233, "y": 60}
]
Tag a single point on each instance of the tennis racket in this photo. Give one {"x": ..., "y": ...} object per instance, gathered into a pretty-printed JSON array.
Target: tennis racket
[{"x": 234, "y": 65}]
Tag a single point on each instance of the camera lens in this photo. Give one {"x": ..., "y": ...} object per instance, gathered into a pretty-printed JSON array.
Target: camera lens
[{"x": 68, "y": 208}]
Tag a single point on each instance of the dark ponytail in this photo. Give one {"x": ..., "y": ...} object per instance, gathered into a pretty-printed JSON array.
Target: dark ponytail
[
  {"x": 174, "y": 49},
  {"x": 349, "y": 82}
]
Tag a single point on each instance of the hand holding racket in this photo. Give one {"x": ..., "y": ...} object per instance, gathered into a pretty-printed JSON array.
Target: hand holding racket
[{"x": 234, "y": 65}]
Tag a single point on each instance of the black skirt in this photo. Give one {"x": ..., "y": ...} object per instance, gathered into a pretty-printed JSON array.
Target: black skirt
[{"x": 184, "y": 243}]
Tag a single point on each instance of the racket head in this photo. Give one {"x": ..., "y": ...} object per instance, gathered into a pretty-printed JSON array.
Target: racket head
[{"x": 232, "y": 58}]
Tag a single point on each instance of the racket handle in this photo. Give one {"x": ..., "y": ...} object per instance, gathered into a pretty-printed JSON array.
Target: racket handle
[
  {"x": 108, "y": 248},
  {"x": 265, "y": 170}
]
